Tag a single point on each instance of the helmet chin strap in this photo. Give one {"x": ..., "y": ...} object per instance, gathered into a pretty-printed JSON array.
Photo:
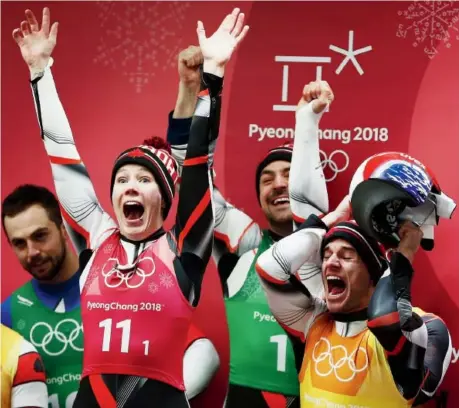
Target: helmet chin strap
[
  {"x": 445, "y": 205},
  {"x": 444, "y": 208},
  {"x": 426, "y": 216},
  {"x": 428, "y": 231}
]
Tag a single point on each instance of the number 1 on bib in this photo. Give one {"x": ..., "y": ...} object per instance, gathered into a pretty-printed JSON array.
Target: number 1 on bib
[{"x": 281, "y": 340}]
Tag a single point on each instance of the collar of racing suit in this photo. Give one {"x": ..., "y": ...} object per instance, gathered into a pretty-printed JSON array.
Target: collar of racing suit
[
  {"x": 350, "y": 324},
  {"x": 86, "y": 254},
  {"x": 350, "y": 317},
  {"x": 275, "y": 237},
  {"x": 157, "y": 234}
]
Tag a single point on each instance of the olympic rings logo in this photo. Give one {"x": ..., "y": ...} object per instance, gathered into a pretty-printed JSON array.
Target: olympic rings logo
[
  {"x": 114, "y": 277},
  {"x": 334, "y": 366},
  {"x": 43, "y": 342},
  {"x": 330, "y": 163}
]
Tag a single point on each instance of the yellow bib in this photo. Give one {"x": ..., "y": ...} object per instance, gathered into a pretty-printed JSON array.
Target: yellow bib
[
  {"x": 11, "y": 345},
  {"x": 346, "y": 372}
]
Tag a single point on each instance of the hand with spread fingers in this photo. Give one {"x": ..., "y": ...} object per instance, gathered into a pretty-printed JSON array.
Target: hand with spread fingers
[
  {"x": 36, "y": 43},
  {"x": 218, "y": 48}
]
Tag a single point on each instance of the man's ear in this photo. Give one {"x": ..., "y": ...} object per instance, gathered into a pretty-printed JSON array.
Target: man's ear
[{"x": 64, "y": 232}]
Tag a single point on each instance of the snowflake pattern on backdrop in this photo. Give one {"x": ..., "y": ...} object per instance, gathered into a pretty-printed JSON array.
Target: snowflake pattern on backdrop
[
  {"x": 166, "y": 280},
  {"x": 430, "y": 22},
  {"x": 140, "y": 39}
]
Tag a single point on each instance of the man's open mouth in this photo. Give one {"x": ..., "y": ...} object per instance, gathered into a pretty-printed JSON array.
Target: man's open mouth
[
  {"x": 280, "y": 201},
  {"x": 133, "y": 210},
  {"x": 336, "y": 286}
]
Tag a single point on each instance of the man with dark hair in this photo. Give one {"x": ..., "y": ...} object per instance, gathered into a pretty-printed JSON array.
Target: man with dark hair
[
  {"x": 34, "y": 227},
  {"x": 42, "y": 247},
  {"x": 290, "y": 186},
  {"x": 361, "y": 342},
  {"x": 27, "y": 195},
  {"x": 46, "y": 310}
]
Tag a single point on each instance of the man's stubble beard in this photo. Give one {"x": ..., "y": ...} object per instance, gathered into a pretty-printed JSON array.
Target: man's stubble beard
[
  {"x": 56, "y": 262},
  {"x": 281, "y": 222}
]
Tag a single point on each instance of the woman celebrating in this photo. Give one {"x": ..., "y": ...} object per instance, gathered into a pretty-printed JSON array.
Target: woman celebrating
[{"x": 141, "y": 284}]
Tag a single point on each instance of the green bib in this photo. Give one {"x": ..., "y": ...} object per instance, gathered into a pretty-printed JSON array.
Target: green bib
[
  {"x": 261, "y": 353},
  {"x": 58, "y": 338}
]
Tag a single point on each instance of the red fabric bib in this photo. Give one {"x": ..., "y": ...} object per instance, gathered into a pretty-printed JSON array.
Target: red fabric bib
[{"x": 135, "y": 317}]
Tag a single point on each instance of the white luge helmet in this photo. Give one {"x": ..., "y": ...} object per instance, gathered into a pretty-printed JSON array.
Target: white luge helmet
[{"x": 392, "y": 187}]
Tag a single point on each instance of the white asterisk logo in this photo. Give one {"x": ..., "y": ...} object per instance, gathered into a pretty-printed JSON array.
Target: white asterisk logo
[
  {"x": 350, "y": 54},
  {"x": 320, "y": 61}
]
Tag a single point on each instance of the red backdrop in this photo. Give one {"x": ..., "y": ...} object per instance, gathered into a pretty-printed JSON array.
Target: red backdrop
[{"x": 116, "y": 74}]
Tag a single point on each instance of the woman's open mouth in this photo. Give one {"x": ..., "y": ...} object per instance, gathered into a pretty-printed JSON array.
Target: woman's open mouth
[{"x": 133, "y": 210}]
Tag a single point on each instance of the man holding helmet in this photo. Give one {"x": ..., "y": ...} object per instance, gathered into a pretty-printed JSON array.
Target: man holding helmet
[
  {"x": 364, "y": 343},
  {"x": 391, "y": 187}
]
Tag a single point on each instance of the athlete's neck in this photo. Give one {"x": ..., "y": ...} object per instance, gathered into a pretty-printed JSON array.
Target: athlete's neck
[
  {"x": 275, "y": 237},
  {"x": 281, "y": 229},
  {"x": 69, "y": 267}
]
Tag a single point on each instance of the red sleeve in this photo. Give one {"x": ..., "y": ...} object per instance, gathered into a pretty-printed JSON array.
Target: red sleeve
[{"x": 30, "y": 369}]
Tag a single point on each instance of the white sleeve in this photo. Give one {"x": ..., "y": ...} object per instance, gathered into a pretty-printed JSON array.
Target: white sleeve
[
  {"x": 307, "y": 184},
  {"x": 296, "y": 254},
  {"x": 200, "y": 363},
  {"x": 82, "y": 212},
  {"x": 233, "y": 227}
]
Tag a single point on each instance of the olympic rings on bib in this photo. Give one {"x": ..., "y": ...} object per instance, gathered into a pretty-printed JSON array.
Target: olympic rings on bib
[
  {"x": 114, "y": 278},
  {"x": 56, "y": 334},
  {"x": 334, "y": 366}
]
